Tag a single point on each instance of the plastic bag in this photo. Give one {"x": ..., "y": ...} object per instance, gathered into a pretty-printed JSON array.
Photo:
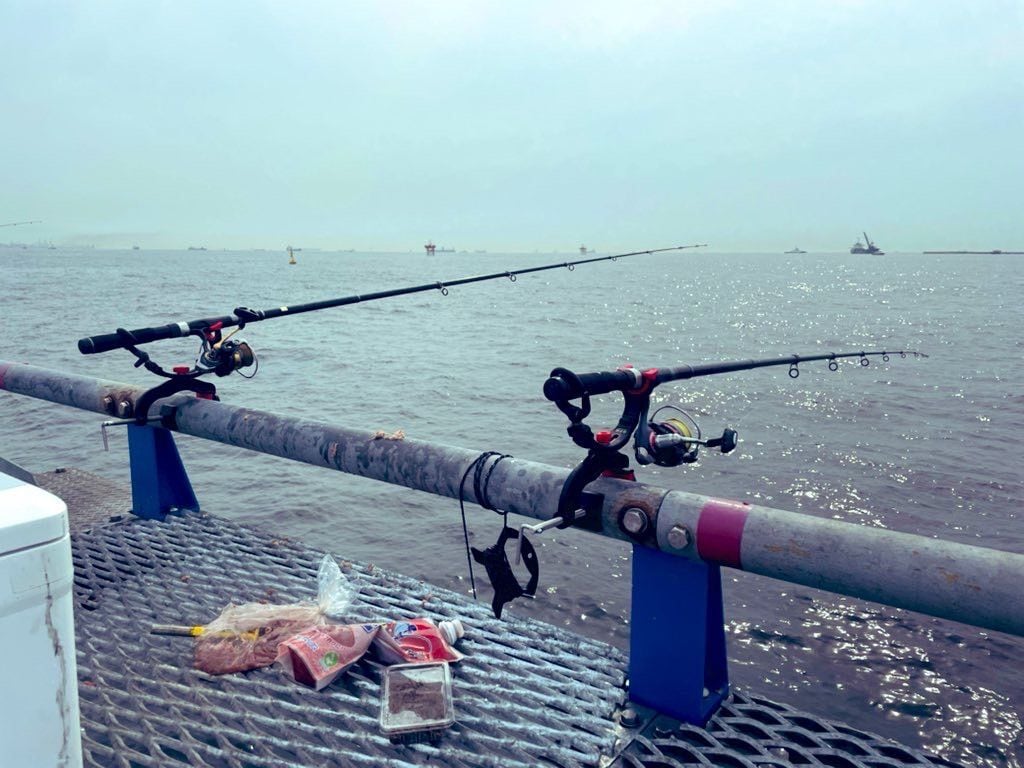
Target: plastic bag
[
  {"x": 246, "y": 636},
  {"x": 334, "y": 592}
]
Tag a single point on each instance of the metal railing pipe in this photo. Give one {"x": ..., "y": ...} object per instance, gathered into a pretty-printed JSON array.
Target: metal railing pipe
[{"x": 961, "y": 582}]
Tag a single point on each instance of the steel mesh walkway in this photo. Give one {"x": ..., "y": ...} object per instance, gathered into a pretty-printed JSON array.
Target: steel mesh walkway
[{"x": 527, "y": 693}]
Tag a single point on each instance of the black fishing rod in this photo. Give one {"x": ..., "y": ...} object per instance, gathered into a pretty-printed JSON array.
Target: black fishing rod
[
  {"x": 242, "y": 316},
  {"x": 19, "y": 223},
  {"x": 563, "y": 384},
  {"x": 667, "y": 442}
]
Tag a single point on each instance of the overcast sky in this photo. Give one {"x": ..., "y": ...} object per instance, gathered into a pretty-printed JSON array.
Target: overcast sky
[{"x": 513, "y": 126}]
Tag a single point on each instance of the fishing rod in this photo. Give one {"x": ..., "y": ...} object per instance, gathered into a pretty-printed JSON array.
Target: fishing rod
[
  {"x": 243, "y": 315},
  {"x": 669, "y": 441},
  {"x": 223, "y": 355},
  {"x": 19, "y": 223}
]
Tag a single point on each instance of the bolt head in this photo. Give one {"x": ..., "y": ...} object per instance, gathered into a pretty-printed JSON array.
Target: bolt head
[
  {"x": 679, "y": 537},
  {"x": 124, "y": 409},
  {"x": 629, "y": 718},
  {"x": 634, "y": 521}
]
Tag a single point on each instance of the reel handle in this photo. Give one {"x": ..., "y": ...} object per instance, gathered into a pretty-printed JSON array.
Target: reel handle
[{"x": 726, "y": 443}]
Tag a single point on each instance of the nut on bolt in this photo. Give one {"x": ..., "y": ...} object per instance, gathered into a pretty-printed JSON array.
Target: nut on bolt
[
  {"x": 679, "y": 537},
  {"x": 634, "y": 521}
]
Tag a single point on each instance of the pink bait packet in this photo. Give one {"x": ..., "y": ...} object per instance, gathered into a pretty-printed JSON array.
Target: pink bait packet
[
  {"x": 418, "y": 640},
  {"x": 318, "y": 654}
]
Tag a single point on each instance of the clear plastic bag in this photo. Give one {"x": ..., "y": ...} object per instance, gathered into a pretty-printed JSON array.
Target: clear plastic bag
[
  {"x": 246, "y": 636},
  {"x": 335, "y": 593}
]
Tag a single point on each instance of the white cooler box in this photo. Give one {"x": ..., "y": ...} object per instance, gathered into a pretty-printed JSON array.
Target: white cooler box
[{"x": 39, "y": 723}]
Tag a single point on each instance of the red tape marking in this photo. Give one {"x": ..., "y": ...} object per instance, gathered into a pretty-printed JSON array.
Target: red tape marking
[{"x": 720, "y": 531}]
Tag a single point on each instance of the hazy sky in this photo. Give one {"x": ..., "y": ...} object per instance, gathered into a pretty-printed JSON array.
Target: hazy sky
[{"x": 513, "y": 126}]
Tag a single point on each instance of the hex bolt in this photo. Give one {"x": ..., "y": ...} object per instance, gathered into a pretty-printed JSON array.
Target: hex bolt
[
  {"x": 108, "y": 404},
  {"x": 629, "y": 718},
  {"x": 679, "y": 537},
  {"x": 634, "y": 521},
  {"x": 124, "y": 409}
]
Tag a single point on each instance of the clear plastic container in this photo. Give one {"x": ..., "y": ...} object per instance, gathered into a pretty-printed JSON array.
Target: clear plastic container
[{"x": 416, "y": 704}]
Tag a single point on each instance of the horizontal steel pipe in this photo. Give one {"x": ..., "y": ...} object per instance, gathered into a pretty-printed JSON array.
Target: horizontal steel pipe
[
  {"x": 964, "y": 583},
  {"x": 974, "y": 585}
]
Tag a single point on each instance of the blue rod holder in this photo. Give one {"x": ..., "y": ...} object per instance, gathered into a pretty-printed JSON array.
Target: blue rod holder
[
  {"x": 159, "y": 479},
  {"x": 677, "y": 659}
]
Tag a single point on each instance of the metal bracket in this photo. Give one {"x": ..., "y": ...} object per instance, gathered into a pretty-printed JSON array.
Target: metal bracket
[
  {"x": 539, "y": 528},
  {"x": 159, "y": 480},
  {"x": 117, "y": 423},
  {"x": 677, "y": 656}
]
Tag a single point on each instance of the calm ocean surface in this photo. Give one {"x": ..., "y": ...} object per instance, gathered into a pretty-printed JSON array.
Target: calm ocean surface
[{"x": 930, "y": 447}]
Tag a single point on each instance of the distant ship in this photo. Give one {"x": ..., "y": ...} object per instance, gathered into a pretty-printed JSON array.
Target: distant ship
[
  {"x": 796, "y": 250},
  {"x": 871, "y": 248},
  {"x": 584, "y": 251}
]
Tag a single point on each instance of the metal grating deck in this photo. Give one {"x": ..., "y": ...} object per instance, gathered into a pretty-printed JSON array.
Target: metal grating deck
[{"x": 527, "y": 694}]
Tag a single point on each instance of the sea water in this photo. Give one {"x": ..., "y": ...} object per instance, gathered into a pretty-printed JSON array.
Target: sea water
[{"x": 925, "y": 446}]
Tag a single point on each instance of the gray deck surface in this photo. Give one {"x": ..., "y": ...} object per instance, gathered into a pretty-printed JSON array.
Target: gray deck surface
[{"x": 527, "y": 693}]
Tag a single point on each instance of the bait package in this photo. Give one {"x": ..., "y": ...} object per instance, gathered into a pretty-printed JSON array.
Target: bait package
[
  {"x": 408, "y": 641},
  {"x": 317, "y": 655}
]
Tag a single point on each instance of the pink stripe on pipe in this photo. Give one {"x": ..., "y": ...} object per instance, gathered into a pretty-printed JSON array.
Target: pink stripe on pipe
[{"x": 720, "y": 531}]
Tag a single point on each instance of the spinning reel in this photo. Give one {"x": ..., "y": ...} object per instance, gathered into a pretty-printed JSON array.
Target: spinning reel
[
  {"x": 669, "y": 442},
  {"x": 220, "y": 355},
  {"x": 224, "y": 356},
  {"x": 674, "y": 441}
]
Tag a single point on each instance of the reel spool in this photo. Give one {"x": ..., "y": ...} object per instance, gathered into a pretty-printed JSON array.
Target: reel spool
[
  {"x": 225, "y": 357},
  {"x": 670, "y": 442}
]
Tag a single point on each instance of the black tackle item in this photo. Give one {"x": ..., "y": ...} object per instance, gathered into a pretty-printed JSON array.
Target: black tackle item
[
  {"x": 499, "y": 570},
  {"x": 173, "y": 385},
  {"x": 575, "y": 507}
]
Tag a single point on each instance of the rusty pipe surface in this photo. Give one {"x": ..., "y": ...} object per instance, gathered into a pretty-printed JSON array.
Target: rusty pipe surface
[{"x": 965, "y": 583}]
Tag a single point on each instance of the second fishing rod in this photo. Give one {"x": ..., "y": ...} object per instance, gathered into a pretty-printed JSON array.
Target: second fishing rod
[{"x": 242, "y": 316}]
